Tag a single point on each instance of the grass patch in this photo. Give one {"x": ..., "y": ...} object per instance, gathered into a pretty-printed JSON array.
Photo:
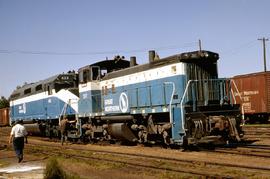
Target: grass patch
[
  {"x": 4, "y": 163},
  {"x": 55, "y": 171}
]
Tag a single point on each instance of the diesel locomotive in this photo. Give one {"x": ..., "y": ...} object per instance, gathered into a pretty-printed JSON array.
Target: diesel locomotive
[
  {"x": 177, "y": 100},
  {"x": 42, "y": 104}
]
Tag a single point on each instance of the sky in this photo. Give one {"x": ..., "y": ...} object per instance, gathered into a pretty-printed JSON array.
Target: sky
[{"x": 39, "y": 39}]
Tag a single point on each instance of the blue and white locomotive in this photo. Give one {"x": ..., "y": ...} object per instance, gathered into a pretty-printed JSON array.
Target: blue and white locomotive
[
  {"x": 41, "y": 105},
  {"x": 175, "y": 100}
]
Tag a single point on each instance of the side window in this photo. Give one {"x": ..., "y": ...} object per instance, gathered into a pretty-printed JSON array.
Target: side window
[
  {"x": 49, "y": 89},
  {"x": 39, "y": 87},
  {"x": 84, "y": 76},
  {"x": 16, "y": 95},
  {"x": 89, "y": 74},
  {"x": 95, "y": 73},
  {"x": 103, "y": 72},
  {"x": 27, "y": 91}
]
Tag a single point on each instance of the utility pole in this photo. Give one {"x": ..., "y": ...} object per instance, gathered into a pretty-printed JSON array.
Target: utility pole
[
  {"x": 264, "y": 51},
  {"x": 200, "y": 45}
]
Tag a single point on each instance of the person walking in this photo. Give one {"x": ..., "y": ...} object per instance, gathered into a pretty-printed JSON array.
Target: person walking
[{"x": 17, "y": 136}]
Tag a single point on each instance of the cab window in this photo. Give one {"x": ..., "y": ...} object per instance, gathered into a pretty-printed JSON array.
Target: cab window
[{"x": 84, "y": 76}]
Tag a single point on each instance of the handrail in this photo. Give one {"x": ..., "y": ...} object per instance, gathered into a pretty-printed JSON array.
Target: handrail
[
  {"x": 242, "y": 107},
  {"x": 184, "y": 96},
  {"x": 63, "y": 112},
  {"x": 64, "y": 109},
  {"x": 173, "y": 85},
  {"x": 181, "y": 104}
]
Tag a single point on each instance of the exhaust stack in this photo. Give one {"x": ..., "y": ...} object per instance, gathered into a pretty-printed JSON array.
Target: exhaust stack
[
  {"x": 152, "y": 55},
  {"x": 132, "y": 61}
]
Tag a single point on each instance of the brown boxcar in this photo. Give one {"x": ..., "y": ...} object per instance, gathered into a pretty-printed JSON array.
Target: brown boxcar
[
  {"x": 254, "y": 95},
  {"x": 4, "y": 117}
]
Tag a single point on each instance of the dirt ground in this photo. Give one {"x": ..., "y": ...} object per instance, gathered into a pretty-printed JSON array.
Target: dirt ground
[
  {"x": 34, "y": 164},
  {"x": 31, "y": 168}
]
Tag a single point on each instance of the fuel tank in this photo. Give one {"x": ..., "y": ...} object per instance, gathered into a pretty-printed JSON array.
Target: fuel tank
[{"x": 121, "y": 131}]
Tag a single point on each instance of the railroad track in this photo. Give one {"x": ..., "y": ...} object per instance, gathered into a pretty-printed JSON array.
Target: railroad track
[
  {"x": 241, "y": 151},
  {"x": 203, "y": 167},
  {"x": 260, "y": 131},
  {"x": 87, "y": 155},
  {"x": 142, "y": 166},
  {"x": 257, "y": 146},
  {"x": 183, "y": 165},
  {"x": 254, "y": 150}
]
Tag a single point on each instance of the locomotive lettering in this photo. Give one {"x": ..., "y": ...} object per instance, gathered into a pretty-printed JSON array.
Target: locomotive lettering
[
  {"x": 22, "y": 108},
  {"x": 109, "y": 106}
]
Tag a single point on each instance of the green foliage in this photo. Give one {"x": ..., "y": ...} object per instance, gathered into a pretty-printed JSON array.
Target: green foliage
[
  {"x": 53, "y": 170},
  {"x": 4, "y": 103}
]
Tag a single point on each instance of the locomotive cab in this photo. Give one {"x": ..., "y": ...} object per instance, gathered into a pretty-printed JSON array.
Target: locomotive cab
[{"x": 89, "y": 84}]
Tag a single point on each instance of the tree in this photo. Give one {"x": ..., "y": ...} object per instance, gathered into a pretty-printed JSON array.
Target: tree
[{"x": 4, "y": 103}]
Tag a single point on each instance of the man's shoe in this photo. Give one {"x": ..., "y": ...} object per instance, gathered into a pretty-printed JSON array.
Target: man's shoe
[{"x": 20, "y": 159}]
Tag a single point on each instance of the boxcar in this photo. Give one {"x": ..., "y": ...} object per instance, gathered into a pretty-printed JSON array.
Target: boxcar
[
  {"x": 4, "y": 117},
  {"x": 254, "y": 95}
]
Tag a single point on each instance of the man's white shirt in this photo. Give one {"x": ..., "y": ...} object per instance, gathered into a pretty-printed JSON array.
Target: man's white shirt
[{"x": 18, "y": 131}]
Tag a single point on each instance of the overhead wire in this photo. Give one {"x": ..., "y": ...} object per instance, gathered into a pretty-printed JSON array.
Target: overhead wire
[
  {"x": 238, "y": 49},
  {"x": 34, "y": 52}
]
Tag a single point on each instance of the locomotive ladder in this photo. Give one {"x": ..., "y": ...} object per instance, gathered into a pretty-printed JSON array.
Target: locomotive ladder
[
  {"x": 64, "y": 109},
  {"x": 63, "y": 112}
]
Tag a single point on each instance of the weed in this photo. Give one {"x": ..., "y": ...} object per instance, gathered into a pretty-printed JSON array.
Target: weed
[{"x": 53, "y": 170}]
